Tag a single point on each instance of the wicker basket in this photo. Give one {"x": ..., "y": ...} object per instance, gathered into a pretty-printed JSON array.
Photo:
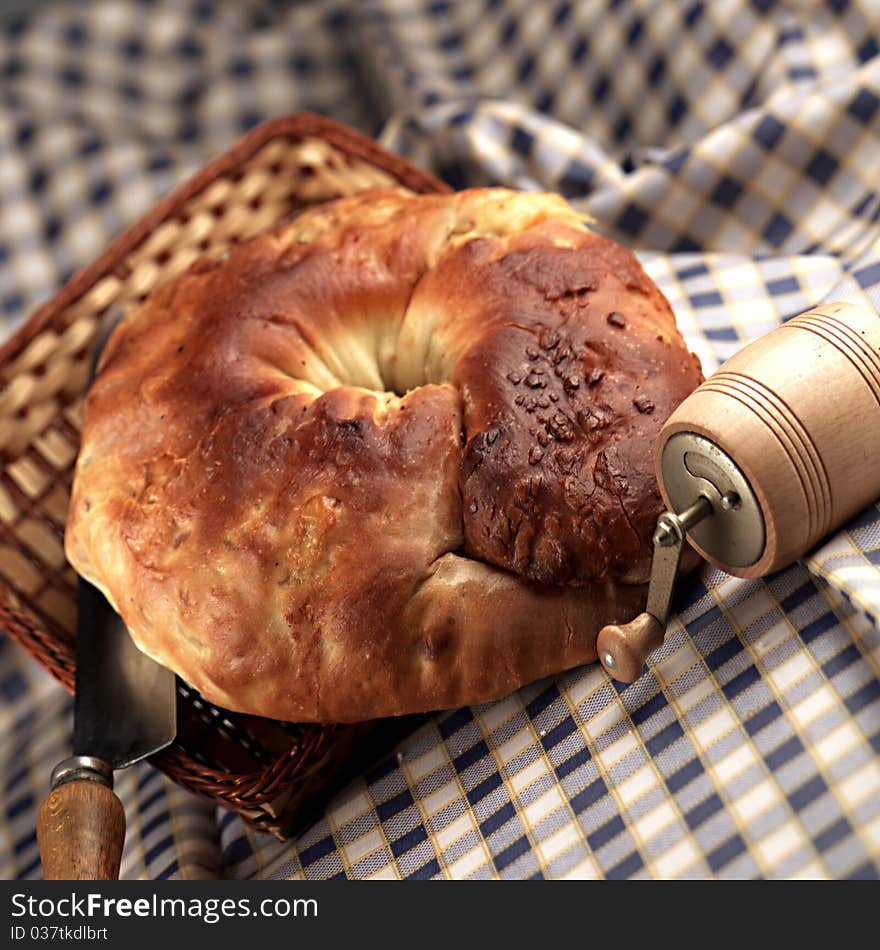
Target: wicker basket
[{"x": 272, "y": 773}]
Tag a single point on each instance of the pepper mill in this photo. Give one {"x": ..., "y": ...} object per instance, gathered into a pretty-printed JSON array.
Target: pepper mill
[{"x": 774, "y": 451}]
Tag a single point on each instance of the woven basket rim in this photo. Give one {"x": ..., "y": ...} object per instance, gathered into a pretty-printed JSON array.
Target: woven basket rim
[{"x": 294, "y": 125}]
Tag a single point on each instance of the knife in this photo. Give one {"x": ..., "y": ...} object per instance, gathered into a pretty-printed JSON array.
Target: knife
[{"x": 125, "y": 708}]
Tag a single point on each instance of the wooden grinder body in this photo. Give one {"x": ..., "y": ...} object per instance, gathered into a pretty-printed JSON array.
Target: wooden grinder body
[{"x": 798, "y": 411}]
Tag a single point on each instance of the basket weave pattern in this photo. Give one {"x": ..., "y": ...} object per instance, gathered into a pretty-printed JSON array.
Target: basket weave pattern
[{"x": 268, "y": 771}]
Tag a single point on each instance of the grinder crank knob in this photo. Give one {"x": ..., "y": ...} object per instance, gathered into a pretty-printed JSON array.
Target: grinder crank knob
[{"x": 783, "y": 441}]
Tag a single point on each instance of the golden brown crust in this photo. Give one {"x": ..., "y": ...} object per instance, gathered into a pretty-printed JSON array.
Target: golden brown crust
[{"x": 297, "y": 541}]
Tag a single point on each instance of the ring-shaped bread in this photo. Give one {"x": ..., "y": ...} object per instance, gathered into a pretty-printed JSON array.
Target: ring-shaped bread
[{"x": 394, "y": 456}]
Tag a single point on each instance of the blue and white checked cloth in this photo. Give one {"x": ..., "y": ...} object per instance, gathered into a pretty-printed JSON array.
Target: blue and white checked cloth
[{"x": 736, "y": 145}]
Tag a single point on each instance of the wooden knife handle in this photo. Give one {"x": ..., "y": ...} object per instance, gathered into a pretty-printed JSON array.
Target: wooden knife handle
[{"x": 81, "y": 831}]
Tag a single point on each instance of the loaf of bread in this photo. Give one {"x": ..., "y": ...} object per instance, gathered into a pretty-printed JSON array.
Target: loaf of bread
[{"x": 394, "y": 456}]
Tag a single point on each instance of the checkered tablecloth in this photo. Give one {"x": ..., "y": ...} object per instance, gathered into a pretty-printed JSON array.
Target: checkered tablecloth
[{"x": 736, "y": 146}]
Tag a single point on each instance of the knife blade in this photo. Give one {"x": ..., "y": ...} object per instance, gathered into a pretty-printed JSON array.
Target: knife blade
[
  {"x": 125, "y": 702},
  {"x": 125, "y": 708}
]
